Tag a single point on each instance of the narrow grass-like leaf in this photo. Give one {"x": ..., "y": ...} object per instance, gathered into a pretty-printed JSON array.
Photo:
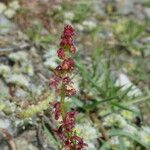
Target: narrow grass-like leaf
[
  {"x": 50, "y": 136},
  {"x": 97, "y": 103},
  {"x": 117, "y": 132},
  {"x": 121, "y": 143}
]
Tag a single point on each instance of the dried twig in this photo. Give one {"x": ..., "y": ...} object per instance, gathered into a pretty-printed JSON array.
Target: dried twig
[{"x": 8, "y": 137}]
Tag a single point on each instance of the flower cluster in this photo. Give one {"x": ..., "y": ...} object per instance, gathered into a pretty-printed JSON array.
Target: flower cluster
[
  {"x": 67, "y": 65},
  {"x": 63, "y": 84}
]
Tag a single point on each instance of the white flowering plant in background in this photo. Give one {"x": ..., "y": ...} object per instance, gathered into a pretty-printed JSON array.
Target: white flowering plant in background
[{"x": 10, "y": 10}]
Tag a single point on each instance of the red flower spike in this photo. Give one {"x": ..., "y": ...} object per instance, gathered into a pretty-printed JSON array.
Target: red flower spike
[
  {"x": 61, "y": 53},
  {"x": 63, "y": 86}
]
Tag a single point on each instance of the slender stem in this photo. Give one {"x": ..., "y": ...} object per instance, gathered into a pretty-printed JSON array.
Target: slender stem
[
  {"x": 63, "y": 111},
  {"x": 63, "y": 101}
]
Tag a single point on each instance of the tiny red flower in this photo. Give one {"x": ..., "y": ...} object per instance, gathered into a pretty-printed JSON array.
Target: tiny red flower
[
  {"x": 54, "y": 82},
  {"x": 61, "y": 53},
  {"x": 70, "y": 91},
  {"x": 58, "y": 71},
  {"x": 66, "y": 80},
  {"x": 72, "y": 49},
  {"x": 68, "y": 64},
  {"x": 68, "y": 145},
  {"x": 80, "y": 143},
  {"x": 68, "y": 31},
  {"x": 69, "y": 121},
  {"x": 60, "y": 132},
  {"x": 66, "y": 42},
  {"x": 57, "y": 110}
]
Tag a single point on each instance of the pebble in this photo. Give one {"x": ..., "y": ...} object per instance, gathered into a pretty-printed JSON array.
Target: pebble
[
  {"x": 6, "y": 123},
  {"x": 5, "y": 25},
  {"x": 147, "y": 12}
]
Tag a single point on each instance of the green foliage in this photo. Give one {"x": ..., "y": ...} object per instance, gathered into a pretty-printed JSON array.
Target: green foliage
[
  {"x": 106, "y": 97},
  {"x": 37, "y": 36},
  {"x": 120, "y": 133},
  {"x": 34, "y": 109},
  {"x": 81, "y": 12},
  {"x": 127, "y": 31}
]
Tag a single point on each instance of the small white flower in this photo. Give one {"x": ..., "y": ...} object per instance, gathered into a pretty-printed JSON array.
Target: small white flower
[
  {"x": 18, "y": 56},
  {"x": 79, "y": 27},
  {"x": 114, "y": 140},
  {"x": 51, "y": 62},
  {"x": 14, "y": 5},
  {"x": 115, "y": 120},
  {"x": 2, "y": 7},
  {"x": 4, "y": 70},
  {"x": 145, "y": 135},
  {"x": 87, "y": 132},
  {"x": 125, "y": 82},
  {"x": 9, "y": 13},
  {"x": 57, "y": 8},
  {"x": 51, "y": 53},
  {"x": 69, "y": 15},
  {"x": 29, "y": 70},
  {"x": 36, "y": 90},
  {"x": 89, "y": 24},
  {"x": 18, "y": 79},
  {"x": 90, "y": 146},
  {"x": 129, "y": 115}
]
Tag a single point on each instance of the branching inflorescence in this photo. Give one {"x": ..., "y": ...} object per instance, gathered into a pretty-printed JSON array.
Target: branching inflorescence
[{"x": 63, "y": 85}]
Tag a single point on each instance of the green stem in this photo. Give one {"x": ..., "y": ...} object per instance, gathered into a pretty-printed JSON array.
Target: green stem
[
  {"x": 63, "y": 111},
  {"x": 63, "y": 101}
]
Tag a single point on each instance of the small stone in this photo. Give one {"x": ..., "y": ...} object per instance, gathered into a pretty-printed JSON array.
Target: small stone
[
  {"x": 20, "y": 93},
  {"x": 5, "y": 25},
  {"x": 20, "y": 142},
  {"x": 4, "y": 70},
  {"x": 18, "y": 79},
  {"x": 147, "y": 12},
  {"x": 125, "y": 7},
  {"x": 125, "y": 83},
  {"x": 6, "y": 124},
  {"x": 89, "y": 24},
  {"x": 146, "y": 40},
  {"x": 2, "y": 7},
  {"x": 9, "y": 13},
  {"x": 14, "y": 5},
  {"x": 18, "y": 56}
]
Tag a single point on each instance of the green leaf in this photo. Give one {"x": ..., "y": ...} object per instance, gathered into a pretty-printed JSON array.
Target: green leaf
[
  {"x": 97, "y": 102},
  {"x": 117, "y": 132},
  {"x": 49, "y": 134},
  {"x": 123, "y": 106},
  {"x": 120, "y": 133},
  {"x": 121, "y": 143}
]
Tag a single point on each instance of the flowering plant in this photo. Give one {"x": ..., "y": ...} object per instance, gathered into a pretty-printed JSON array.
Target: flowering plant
[{"x": 63, "y": 85}]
